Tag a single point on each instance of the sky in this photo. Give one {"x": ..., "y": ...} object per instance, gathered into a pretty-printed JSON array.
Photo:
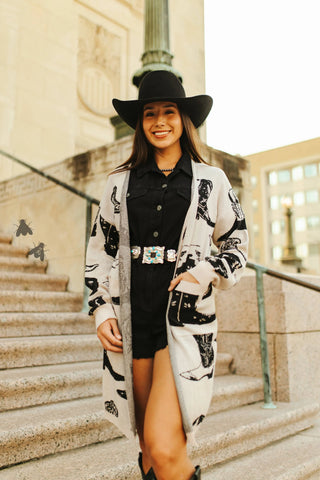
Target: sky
[{"x": 263, "y": 72}]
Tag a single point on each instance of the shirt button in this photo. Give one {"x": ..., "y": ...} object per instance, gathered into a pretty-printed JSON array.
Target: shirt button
[
  {"x": 159, "y": 207},
  {"x": 128, "y": 194},
  {"x": 164, "y": 185},
  {"x": 155, "y": 234}
]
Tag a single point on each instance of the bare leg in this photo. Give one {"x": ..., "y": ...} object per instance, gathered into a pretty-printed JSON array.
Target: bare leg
[
  {"x": 163, "y": 431},
  {"x": 142, "y": 379}
]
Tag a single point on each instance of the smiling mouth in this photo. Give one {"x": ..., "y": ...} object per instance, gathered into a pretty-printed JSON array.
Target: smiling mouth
[{"x": 161, "y": 134}]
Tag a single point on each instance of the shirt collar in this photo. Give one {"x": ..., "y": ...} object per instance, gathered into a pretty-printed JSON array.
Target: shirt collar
[{"x": 183, "y": 164}]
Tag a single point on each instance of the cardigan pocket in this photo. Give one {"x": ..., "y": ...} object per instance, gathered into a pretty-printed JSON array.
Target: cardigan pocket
[
  {"x": 190, "y": 287},
  {"x": 190, "y": 304}
]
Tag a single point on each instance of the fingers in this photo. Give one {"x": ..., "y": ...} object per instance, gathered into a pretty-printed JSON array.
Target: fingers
[
  {"x": 183, "y": 276},
  {"x": 109, "y": 335}
]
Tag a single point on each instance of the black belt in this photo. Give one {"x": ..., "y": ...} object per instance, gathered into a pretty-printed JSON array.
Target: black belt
[{"x": 153, "y": 255}]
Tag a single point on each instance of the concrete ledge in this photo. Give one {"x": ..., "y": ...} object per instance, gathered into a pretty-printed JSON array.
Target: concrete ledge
[
  {"x": 38, "y": 431},
  {"x": 15, "y": 301},
  {"x": 33, "y": 281},
  {"x": 55, "y": 323},
  {"x": 7, "y": 250},
  {"x": 13, "y": 264},
  {"x": 30, "y": 351},
  {"x": 5, "y": 238},
  {"x": 294, "y": 458},
  {"x": 232, "y": 391},
  {"x": 26, "y": 387},
  {"x": 223, "y": 436}
]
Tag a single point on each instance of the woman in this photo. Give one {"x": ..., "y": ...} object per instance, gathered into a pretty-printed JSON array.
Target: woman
[{"x": 152, "y": 276}]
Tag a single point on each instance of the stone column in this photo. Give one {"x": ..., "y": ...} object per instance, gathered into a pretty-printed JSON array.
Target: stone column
[
  {"x": 9, "y": 44},
  {"x": 156, "y": 55}
]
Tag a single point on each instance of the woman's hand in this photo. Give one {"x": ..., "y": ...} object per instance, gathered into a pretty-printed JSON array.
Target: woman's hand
[
  {"x": 109, "y": 335},
  {"x": 183, "y": 276}
]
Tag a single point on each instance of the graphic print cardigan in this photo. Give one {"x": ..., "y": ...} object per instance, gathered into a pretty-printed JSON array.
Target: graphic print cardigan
[{"x": 214, "y": 215}]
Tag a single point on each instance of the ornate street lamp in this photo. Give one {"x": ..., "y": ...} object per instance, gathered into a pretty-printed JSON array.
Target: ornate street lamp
[
  {"x": 289, "y": 252},
  {"x": 156, "y": 55}
]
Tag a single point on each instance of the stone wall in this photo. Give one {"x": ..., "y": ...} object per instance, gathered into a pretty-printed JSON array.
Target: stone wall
[
  {"x": 293, "y": 329},
  {"x": 62, "y": 62},
  {"x": 57, "y": 217}
]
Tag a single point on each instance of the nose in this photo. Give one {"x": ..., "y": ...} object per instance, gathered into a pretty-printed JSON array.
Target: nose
[{"x": 160, "y": 119}]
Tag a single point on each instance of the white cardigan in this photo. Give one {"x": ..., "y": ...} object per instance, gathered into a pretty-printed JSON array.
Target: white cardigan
[{"x": 214, "y": 215}]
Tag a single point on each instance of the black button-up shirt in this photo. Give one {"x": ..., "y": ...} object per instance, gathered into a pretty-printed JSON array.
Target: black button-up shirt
[{"x": 157, "y": 206}]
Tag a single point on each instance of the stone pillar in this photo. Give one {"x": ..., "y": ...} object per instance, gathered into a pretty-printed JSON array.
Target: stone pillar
[
  {"x": 156, "y": 55},
  {"x": 9, "y": 44}
]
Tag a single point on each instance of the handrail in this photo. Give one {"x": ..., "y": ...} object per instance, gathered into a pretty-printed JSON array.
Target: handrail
[
  {"x": 51, "y": 178},
  {"x": 90, "y": 200},
  {"x": 260, "y": 270}
]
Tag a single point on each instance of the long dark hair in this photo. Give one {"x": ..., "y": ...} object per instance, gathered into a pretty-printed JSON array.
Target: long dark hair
[{"x": 142, "y": 150}]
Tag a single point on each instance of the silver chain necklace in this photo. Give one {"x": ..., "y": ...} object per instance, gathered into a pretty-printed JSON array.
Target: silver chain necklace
[{"x": 166, "y": 169}]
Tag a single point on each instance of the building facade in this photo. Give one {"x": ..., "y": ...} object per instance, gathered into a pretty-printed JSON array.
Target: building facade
[
  {"x": 62, "y": 62},
  {"x": 282, "y": 177}
]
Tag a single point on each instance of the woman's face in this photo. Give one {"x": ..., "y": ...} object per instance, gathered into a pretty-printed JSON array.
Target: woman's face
[{"x": 162, "y": 124}]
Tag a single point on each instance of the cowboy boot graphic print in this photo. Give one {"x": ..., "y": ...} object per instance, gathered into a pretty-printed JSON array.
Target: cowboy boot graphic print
[{"x": 205, "y": 369}]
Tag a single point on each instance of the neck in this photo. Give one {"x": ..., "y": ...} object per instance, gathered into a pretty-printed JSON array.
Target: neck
[{"x": 168, "y": 159}]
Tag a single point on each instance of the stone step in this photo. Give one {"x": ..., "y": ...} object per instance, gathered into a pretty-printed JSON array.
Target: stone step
[
  {"x": 30, "y": 386},
  {"x": 5, "y": 238},
  {"x": 57, "y": 349},
  {"x": 33, "y": 282},
  {"x": 18, "y": 301},
  {"x": 48, "y": 350},
  {"x": 8, "y": 250},
  {"x": 16, "y": 264},
  {"x": 37, "y": 431},
  {"x": 222, "y": 436},
  {"x": 294, "y": 458},
  {"x": 53, "y": 323},
  {"x": 232, "y": 391},
  {"x": 224, "y": 364}
]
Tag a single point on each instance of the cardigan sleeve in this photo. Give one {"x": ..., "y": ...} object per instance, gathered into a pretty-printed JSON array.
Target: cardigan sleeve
[
  {"x": 101, "y": 252},
  {"x": 230, "y": 236}
]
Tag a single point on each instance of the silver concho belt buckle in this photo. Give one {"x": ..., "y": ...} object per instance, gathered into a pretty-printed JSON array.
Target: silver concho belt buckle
[{"x": 153, "y": 255}]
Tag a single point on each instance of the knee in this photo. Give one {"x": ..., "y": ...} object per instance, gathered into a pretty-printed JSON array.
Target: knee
[{"x": 162, "y": 454}]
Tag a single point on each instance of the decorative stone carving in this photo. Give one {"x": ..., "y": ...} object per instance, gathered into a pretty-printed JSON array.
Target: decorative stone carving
[{"x": 98, "y": 67}]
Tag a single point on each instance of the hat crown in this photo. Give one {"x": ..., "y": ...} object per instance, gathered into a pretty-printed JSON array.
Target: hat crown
[{"x": 161, "y": 84}]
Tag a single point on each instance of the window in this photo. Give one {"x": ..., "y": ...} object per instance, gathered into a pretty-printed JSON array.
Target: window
[
  {"x": 254, "y": 181},
  {"x": 284, "y": 176},
  {"x": 298, "y": 198},
  {"x": 312, "y": 196},
  {"x": 274, "y": 202},
  {"x": 302, "y": 250},
  {"x": 313, "y": 222},
  {"x": 277, "y": 226},
  {"x": 310, "y": 170},
  {"x": 277, "y": 253},
  {"x": 301, "y": 224},
  {"x": 297, "y": 173},
  {"x": 273, "y": 179}
]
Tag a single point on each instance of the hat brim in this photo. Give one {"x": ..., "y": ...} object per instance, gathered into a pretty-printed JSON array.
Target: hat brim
[{"x": 198, "y": 108}]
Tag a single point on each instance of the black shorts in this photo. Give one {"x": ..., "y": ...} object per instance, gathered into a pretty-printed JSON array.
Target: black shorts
[{"x": 149, "y": 332}]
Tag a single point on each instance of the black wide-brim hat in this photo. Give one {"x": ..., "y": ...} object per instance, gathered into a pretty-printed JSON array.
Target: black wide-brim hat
[{"x": 158, "y": 86}]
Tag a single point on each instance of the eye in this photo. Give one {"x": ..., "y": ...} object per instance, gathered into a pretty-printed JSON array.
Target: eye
[
  {"x": 170, "y": 111},
  {"x": 148, "y": 113}
]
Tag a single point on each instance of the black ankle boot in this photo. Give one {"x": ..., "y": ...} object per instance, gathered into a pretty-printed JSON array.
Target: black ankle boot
[
  {"x": 197, "y": 474},
  {"x": 145, "y": 476}
]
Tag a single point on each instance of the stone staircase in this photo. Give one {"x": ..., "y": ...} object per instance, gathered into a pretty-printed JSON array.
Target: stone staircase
[{"x": 52, "y": 423}]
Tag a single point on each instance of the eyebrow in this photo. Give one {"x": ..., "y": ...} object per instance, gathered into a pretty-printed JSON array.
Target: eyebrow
[{"x": 146, "y": 107}]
